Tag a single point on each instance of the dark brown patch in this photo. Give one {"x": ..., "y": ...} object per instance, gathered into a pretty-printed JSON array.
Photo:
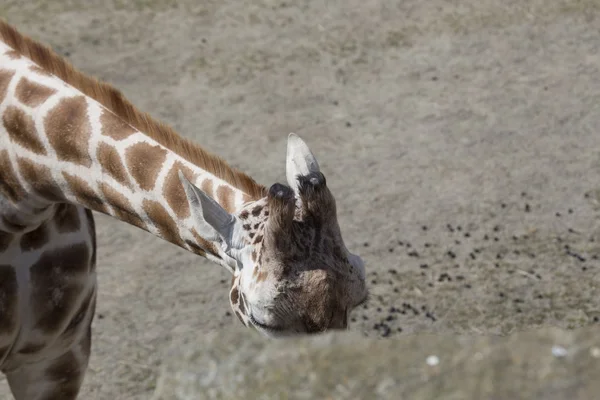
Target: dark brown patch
[
  {"x": 92, "y": 231},
  {"x": 121, "y": 206},
  {"x": 32, "y": 348},
  {"x": 8, "y": 299},
  {"x": 226, "y": 198},
  {"x": 66, "y": 218},
  {"x": 251, "y": 234},
  {"x": 195, "y": 248},
  {"x": 205, "y": 244},
  {"x": 9, "y": 184},
  {"x": 5, "y": 77},
  {"x": 68, "y": 130},
  {"x": 174, "y": 192},
  {"x": 82, "y": 312},
  {"x": 56, "y": 282},
  {"x": 258, "y": 239},
  {"x": 84, "y": 193},
  {"x": 234, "y": 296},
  {"x": 257, "y": 225},
  {"x": 5, "y": 240},
  {"x": 13, "y": 55},
  {"x": 254, "y": 256},
  {"x": 31, "y": 93},
  {"x": 246, "y": 227},
  {"x": 167, "y": 227},
  {"x": 21, "y": 129},
  {"x": 66, "y": 373},
  {"x": 255, "y": 270},
  {"x": 244, "y": 214},
  {"x": 114, "y": 100},
  {"x": 144, "y": 162},
  {"x": 11, "y": 224},
  {"x": 256, "y": 210},
  {"x": 111, "y": 163},
  {"x": 114, "y": 126},
  {"x": 4, "y": 350},
  {"x": 40, "y": 178},
  {"x": 35, "y": 239}
]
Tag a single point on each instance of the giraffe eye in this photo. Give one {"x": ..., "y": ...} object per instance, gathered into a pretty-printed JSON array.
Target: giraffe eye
[{"x": 263, "y": 326}]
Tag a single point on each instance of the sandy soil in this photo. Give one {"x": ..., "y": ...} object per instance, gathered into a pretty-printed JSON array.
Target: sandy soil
[{"x": 460, "y": 141}]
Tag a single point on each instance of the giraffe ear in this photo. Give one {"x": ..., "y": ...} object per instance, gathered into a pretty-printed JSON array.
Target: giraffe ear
[
  {"x": 212, "y": 219},
  {"x": 300, "y": 161}
]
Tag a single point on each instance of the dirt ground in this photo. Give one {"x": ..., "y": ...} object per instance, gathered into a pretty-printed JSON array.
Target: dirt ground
[{"x": 460, "y": 139}]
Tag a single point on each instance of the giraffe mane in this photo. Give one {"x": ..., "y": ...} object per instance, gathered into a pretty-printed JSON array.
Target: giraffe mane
[{"x": 115, "y": 101}]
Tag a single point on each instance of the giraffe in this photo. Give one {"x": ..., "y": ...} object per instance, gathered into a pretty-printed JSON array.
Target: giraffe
[{"x": 70, "y": 146}]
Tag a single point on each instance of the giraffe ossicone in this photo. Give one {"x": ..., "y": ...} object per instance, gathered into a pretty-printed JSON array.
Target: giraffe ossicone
[{"x": 70, "y": 145}]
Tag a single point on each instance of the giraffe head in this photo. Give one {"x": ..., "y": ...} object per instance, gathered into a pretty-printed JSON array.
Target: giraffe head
[{"x": 293, "y": 272}]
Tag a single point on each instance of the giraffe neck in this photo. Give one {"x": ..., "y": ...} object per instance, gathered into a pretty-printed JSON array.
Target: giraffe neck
[{"x": 58, "y": 144}]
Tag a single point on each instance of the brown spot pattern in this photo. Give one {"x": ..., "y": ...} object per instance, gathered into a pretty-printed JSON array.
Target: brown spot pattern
[
  {"x": 35, "y": 239},
  {"x": 84, "y": 309},
  {"x": 196, "y": 249},
  {"x": 5, "y": 77},
  {"x": 256, "y": 210},
  {"x": 175, "y": 193},
  {"x": 8, "y": 299},
  {"x": 9, "y": 184},
  {"x": 167, "y": 227},
  {"x": 56, "y": 282},
  {"x": 114, "y": 126},
  {"x": 66, "y": 218},
  {"x": 67, "y": 374},
  {"x": 5, "y": 240},
  {"x": 84, "y": 193},
  {"x": 21, "y": 129},
  {"x": 208, "y": 246},
  {"x": 68, "y": 130},
  {"x": 234, "y": 296},
  {"x": 92, "y": 231},
  {"x": 226, "y": 198},
  {"x": 244, "y": 214},
  {"x": 207, "y": 186},
  {"x": 111, "y": 163},
  {"x": 144, "y": 162},
  {"x": 31, "y": 93},
  {"x": 40, "y": 178},
  {"x": 121, "y": 206},
  {"x": 13, "y": 225},
  {"x": 31, "y": 348}
]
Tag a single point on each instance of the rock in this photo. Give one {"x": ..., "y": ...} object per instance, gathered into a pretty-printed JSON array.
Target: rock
[{"x": 238, "y": 364}]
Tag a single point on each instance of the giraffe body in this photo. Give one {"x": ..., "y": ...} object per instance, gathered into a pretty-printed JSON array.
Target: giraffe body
[{"x": 69, "y": 145}]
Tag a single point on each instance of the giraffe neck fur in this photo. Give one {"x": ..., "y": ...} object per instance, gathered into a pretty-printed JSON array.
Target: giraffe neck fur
[{"x": 78, "y": 151}]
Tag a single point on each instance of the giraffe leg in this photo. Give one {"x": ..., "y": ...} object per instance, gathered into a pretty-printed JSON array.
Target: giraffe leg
[{"x": 56, "y": 379}]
